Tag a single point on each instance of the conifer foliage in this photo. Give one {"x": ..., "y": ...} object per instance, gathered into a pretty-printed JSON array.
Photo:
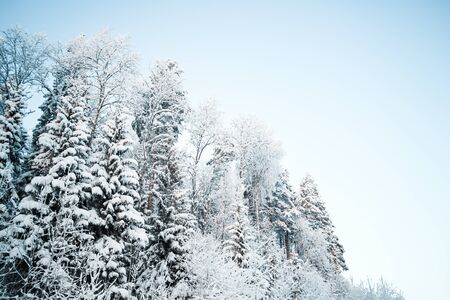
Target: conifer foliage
[
  {"x": 239, "y": 231},
  {"x": 50, "y": 105},
  {"x": 131, "y": 194},
  {"x": 171, "y": 226},
  {"x": 159, "y": 113},
  {"x": 115, "y": 193},
  {"x": 52, "y": 219},
  {"x": 283, "y": 212},
  {"x": 313, "y": 209},
  {"x": 12, "y": 147}
]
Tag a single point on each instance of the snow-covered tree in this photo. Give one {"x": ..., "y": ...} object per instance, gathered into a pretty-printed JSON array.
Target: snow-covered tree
[
  {"x": 312, "y": 247},
  {"x": 115, "y": 193},
  {"x": 204, "y": 126},
  {"x": 239, "y": 231},
  {"x": 313, "y": 210},
  {"x": 12, "y": 147},
  {"x": 216, "y": 181},
  {"x": 282, "y": 211},
  {"x": 46, "y": 236},
  {"x": 22, "y": 60},
  {"x": 22, "y": 57},
  {"x": 298, "y": 281},
  {"x": 108, "y": 65},
  {"x": 380, "y": 290},
  {"x": 215, "y": 276},
  {"x": 272, "y": 259},
  {"x": 49, "y": 106},
  {"x": 217, "y": 204},
  {"x": 212, "y": 273},
  {"x": 171, "y": 226},
  {"x": 258, "y": 157},
  {"x": 159, "y": 113}
]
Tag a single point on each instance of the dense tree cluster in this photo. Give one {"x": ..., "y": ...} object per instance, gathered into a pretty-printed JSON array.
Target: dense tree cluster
[{"x": 125, "y": 191}]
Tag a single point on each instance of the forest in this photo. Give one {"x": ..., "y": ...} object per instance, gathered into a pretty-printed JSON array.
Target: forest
[{"x": 124, "y": 190}]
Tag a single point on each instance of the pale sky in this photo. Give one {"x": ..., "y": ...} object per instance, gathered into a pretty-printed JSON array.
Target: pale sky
[{"x": 358, "y": 94}]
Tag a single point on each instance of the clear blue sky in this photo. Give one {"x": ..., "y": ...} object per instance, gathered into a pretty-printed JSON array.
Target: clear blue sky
[{"x": 358, "y": 93}]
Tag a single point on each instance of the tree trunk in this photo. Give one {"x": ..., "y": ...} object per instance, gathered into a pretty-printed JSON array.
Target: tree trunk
[
  {"x": 149, "y": 199},
  {"x": 287, "y": 244}
]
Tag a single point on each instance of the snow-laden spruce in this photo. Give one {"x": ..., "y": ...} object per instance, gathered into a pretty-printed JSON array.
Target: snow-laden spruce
[
  {"x": 48, "y": 234},
  {"x": 283, "y": 212},
  {"x": 12, "y": 147},
  {"x": 121, "y": 234},
  {"x": 313, "y": 209},
  {"x": 166, "y": 202},
  {"x": 159, "y": 114},
  {"x": 238, "y": 233}
]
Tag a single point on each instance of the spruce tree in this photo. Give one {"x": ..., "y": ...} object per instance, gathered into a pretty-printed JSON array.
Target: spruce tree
[
  {"x": 38, "y": 161},
  {"x": 13, "y": 146},
  {"x": 50, "y": 105},
  {"x": 51, "y": 229},
  {"x": 115, "y": 191},
  {"x": 159, "y": 116},
  {"x": 22, "y": 60},
  {"x": 239, "y": 231},
  {"x": 313, "y": 210},
  {"x": 171, "y": 226},
  {"x": 283, "y": 212}
]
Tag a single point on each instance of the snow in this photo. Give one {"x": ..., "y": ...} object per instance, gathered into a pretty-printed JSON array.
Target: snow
[
  {"x": 29, "y": 204},
  {"x": 117, "y": 205}
]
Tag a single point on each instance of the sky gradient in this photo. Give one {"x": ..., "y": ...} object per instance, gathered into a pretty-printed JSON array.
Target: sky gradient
[{"x": 357, "y": 93}]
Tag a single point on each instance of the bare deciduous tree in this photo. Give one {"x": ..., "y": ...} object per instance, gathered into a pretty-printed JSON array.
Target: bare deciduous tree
[
  {"x": 22, "y": 58},
  {"x": 107, "y": 63}
]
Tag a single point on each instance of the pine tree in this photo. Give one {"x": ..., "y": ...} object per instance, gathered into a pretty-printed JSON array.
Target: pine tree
[
  {"x": 13, "y": 146},
  {"x": 239, "y": 231},
  {"x": 115, "y": 191},
  {"x": 313, "y": 210},
  {"x": 283, "y": 212}
]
